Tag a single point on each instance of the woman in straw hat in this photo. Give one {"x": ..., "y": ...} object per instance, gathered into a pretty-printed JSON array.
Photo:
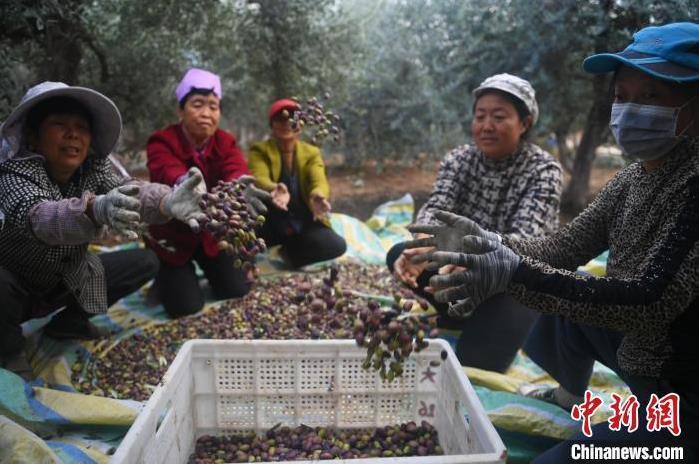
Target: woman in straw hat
[{"x": 57, "y": 192}]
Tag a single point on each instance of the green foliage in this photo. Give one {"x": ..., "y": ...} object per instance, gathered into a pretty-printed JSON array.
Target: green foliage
[
  {"x": 399, "y": 71},
  {"x": 29, "y": 32},
  {"x": 296, "y": 48},
  {"x": 397, "y": 108},
  {"x": 149, "y": 47},
  {"x": 137, "y": 51},
  {"x": 545, "y": 45}
]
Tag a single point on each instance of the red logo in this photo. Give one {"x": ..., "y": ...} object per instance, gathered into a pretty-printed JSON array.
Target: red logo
[
  {"x": 664, "y": 413},
  {"x": 661, "y": 413},
  {"x": 624, "y": 413},
  {"x": 585, "y": 410}
]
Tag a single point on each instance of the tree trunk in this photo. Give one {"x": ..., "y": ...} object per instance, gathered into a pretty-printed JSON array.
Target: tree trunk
[
  {"x": 278, "y": 66},
  {"x": 64, "y": 52},
  {"x": 575, "y": 196},
  {"x": 565, "y": 155}
]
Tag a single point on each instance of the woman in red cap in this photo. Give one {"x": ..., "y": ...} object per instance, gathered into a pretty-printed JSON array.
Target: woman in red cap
[
  {"x": 196, "y": 142},
  {"x": 294, "y": 173}
]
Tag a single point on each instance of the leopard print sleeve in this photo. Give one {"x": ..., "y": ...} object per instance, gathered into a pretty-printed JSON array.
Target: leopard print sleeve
[{"x": 663, "y": 289}]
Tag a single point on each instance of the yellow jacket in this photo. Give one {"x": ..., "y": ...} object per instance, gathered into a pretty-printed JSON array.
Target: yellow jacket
[{"x": 265, "y": 163}]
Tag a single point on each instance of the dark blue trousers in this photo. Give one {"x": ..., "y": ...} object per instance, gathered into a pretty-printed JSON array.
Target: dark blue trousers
[
  {"x": 567, "y": 351},
  {"x": 125, "y": 272}
]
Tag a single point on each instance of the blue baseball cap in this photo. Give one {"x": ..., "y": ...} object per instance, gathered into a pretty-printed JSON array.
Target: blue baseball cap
[{"x": 669, "y": 52}]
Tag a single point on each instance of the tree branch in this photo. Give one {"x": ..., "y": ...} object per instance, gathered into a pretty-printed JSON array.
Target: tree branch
[{"x": 99, "y": 53}]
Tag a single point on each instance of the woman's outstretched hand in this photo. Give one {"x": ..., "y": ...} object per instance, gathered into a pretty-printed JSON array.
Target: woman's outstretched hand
[
  {"x": 281, "y": 197},
  {"x": 320, "y": 207}
]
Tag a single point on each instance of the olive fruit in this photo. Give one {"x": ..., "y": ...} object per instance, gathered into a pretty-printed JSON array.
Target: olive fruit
[
  {"x": 312, "y": 115},
  {"x": 282, "y": 443},
  {"x": 391, "y": 334},
  {"x": 232, "y": 222}
]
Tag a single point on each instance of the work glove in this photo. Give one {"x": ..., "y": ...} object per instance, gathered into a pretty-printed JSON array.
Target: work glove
[
  {"x": 182, "y": 202},
  {"x": 201, "y": 186},
  {"x": 447, "y": 237},
  {"x": 489, "y": 267},
  {"x": 254, "y": 196},
  {"x": 119, "y": 209}
]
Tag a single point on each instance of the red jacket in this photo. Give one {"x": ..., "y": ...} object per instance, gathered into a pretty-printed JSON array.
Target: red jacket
[{"x": 170, "y": 155}]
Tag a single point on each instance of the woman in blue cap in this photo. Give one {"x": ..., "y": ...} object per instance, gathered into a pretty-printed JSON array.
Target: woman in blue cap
[{"x": 640, "y": 320}]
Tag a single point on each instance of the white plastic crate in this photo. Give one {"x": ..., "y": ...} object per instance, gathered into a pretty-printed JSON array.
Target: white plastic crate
[{"x": 226, "y": 386}]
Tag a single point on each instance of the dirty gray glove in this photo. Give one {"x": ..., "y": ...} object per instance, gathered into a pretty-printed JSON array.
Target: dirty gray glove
[
  {"x": 489, "y": 265},
  {"x": 201, "y": 186},
  {"x": 254, "y": 196},
  {"x": 182, "y": 202},
  {"x": 447, "y": 237},
  {"x": 119, "y": 209}
]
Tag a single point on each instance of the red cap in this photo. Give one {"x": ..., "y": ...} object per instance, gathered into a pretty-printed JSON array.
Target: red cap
[{"x": 284, "y": 103}]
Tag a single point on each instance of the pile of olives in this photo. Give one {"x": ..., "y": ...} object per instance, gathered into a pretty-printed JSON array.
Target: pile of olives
[
  {"x": 282, "y": 443},
  {"x": 292, "y": 306},
  {"x": 390, "y": 336}
]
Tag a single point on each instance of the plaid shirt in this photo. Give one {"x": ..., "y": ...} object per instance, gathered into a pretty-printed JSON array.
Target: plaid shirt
[
  {"x": 45, "y": 233},
  {"x": 517, "y": 197}
]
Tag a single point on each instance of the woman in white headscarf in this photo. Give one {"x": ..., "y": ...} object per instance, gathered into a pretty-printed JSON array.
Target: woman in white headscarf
[{"x": 508, "y": 185}]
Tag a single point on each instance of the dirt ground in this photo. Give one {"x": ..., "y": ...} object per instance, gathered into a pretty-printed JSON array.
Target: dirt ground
[{"x": 358, "y": 192}]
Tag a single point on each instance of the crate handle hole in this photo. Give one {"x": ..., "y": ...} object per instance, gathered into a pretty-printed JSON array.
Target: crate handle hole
[{"x": 164, "y": 416}]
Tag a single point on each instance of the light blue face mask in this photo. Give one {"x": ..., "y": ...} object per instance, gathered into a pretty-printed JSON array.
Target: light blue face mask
[{"x": 646, "y": 132}]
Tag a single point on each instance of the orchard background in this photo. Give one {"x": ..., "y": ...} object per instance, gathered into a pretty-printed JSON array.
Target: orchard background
[{"x": 400, "y": 72}]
